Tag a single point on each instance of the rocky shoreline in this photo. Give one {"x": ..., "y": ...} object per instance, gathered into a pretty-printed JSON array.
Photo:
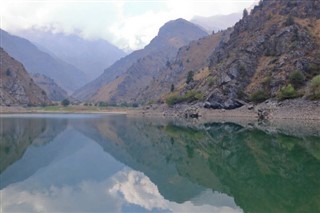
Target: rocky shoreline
[{"x": 298, "y": 109}]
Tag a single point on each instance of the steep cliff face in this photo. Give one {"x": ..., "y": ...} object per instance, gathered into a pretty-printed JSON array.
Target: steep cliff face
[
  {"x": 263, "y": 57},
  {"x": 53, "y": 91},
  {"x": 278, "y": 38},
  {"x": 122, "y": 81},
  {"x": 16, "y": 86}
]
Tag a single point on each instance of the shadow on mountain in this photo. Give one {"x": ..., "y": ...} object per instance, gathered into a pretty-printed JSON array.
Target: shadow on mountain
[{"x": 264, "y": 172}]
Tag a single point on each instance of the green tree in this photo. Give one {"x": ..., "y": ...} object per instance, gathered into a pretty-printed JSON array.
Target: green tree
[
  {"x": 65, "y": 102},
  {"x": 190, "y": 77},
  {"x": 297, "y": 78},
  {"x": 245, "y": 13},
  {"x": 172, "y": 88},
  {"x": 289, "y": 21},
  {"x": 314, "y": 88}
]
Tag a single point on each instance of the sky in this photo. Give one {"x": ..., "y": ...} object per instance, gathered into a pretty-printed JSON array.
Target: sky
[{"x": 129, "y": 24}]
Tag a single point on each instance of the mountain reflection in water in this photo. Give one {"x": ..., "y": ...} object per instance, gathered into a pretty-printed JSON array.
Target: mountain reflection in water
[{"x": 115, "y": 163}]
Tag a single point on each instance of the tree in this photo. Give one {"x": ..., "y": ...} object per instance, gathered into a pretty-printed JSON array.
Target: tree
[
  {"x": 189, "y": 77},
  {"x": 172, "y": 88},
  {"x": 297, "y": 78},
  {"x": 289, "y": 21},
  {"x": 245, "y": 13},
  {"x": 65, "y": 102}
]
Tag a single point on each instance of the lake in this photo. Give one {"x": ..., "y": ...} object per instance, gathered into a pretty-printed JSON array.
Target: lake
[{"x": 113, "y": 163}]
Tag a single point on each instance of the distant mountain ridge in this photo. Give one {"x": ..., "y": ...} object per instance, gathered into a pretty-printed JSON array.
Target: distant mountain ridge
[
  {"x": 53, "y": 91},
  {"x": 136, "y": 70},
  {"x": 218, "y": 22},
  {"x": 17, "y": 88},
  {"x": 37, "y": 61},
  {"x": 91, "y": 56}
]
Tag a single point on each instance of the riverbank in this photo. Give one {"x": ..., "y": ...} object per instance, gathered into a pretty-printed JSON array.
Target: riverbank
[
  {"x": 61, "y": 109},
  {"x": 297, "y": 109}
]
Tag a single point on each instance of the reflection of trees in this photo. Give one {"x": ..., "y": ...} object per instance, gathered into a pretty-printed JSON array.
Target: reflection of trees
[
  {"x": 264, "y": 172},
  {"x": 18, "y": 133}
]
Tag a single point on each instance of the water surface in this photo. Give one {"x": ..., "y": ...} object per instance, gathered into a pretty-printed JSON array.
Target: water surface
[{"x": 112, "y": 163}]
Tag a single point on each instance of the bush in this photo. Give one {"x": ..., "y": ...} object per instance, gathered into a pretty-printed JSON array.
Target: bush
[
  {"x": 287, "y": 92},
  {"x": 172, "y": 88},
  {"x": 188, "y": 97},
  {"x": 314, "y": 88},
  {"x": 8, "y": 72},
  {"x": 289, "y": 21},
  {"x": 259, "y": 96},
  {"x": 297, "y": 78},
  {"x": 211, "y": 81},
  {"x": 65, "y": 102}
]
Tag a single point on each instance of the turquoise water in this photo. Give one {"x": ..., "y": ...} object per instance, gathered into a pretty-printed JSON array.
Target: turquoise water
[{"x": 112, "y": 163}]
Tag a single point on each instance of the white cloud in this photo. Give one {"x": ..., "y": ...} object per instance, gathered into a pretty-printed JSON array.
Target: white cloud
[
  {"x": 124, "y": 188},
  {"x": 128, "y": 24}
]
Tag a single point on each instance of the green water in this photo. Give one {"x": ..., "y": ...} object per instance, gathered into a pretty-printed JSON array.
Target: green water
[{"x": 112, "y": 163}]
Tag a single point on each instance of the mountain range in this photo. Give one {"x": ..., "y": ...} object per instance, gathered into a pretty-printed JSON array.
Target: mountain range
[
  {"x": 273, "y": 52},
  {"x": 91, "y": 56},
  {"x": 122, "y": 81},
  {"x": 36, "y": 61}
]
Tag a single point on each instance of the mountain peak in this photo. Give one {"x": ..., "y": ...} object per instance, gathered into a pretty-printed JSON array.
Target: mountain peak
[
  {"x": 176, "y": 33},
  {"x": 179, "y": 26}
]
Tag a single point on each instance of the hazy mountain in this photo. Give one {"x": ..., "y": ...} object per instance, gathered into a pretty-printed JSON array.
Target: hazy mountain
[
  {"x": 218, "y": 22},
  {"x": 37, "y": 61},
  {"x": 143, "y": 65},
  {"x": 53, "y": 91},
  {"x": 16, "y": 86},
  {"x": 90, "y": 56}
]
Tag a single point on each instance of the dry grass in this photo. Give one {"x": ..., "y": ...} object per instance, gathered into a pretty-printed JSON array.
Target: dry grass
[{"x": 108, "y": 90}]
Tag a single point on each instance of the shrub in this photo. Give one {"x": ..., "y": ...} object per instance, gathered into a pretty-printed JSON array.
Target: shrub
[
  {"x": 188, "y": 97},
  {"x": 297, "y": 78},
  {"x": 259, "y": 96},
  {"x": 287, "y": 92},
  {"x": 314, "y": 88},
  {"x": 8, "y": 72},
  {"x": 289, "y": 21},
  {"x": 65, "y": 102},
  {"x": 172, "y": 88},
  {"x": 211, "y": 81}
]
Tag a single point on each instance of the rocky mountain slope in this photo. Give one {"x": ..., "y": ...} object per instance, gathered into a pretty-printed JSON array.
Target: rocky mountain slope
[
  {"x": 53, "y": 91},
  {"x": 16, "y": 86},
  {"x": 36, "y": 61},
  {"x": 272, "y": 53},
  {"x": 191, "y": 57},
  {"x": 89, "y": 56},
  {"x": 154, "y": 56}
]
